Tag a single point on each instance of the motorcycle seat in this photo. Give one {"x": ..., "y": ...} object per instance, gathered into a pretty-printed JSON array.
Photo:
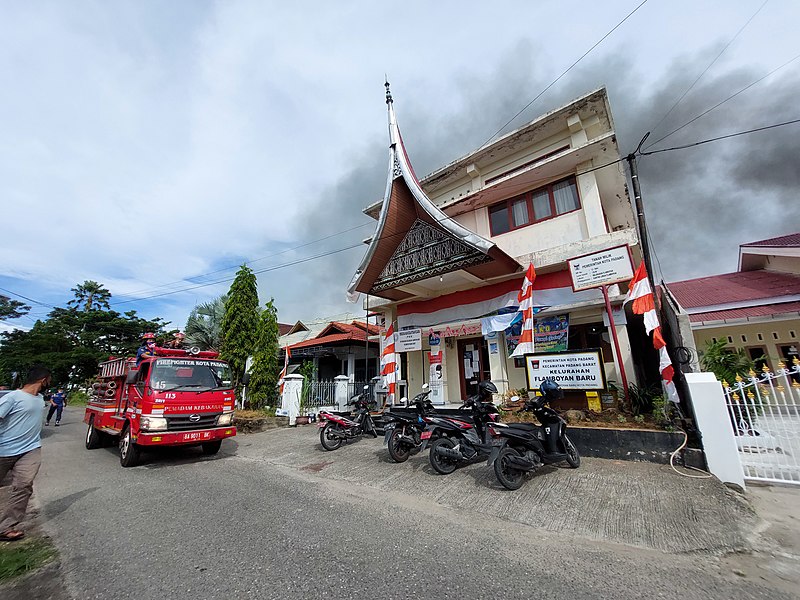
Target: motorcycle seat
[{"x": 523, "y": 426}]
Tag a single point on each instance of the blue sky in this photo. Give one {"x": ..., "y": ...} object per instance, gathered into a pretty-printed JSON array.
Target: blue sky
[{"x": 145, "y": 144}]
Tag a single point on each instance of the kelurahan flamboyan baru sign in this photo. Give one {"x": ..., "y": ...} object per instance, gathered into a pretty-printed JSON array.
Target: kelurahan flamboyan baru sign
[{"x": 571, "y": 370}]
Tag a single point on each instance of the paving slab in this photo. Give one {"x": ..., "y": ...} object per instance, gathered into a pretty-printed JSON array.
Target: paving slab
[{"x": 638, "y": 504}]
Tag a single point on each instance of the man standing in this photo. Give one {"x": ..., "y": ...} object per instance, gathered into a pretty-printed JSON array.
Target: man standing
[
  {"x": 21, "y": 448},
  {"x": 57, "y": 402}
]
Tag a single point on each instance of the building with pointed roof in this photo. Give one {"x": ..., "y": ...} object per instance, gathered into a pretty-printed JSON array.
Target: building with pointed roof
[{"x": 449, "y": 250}]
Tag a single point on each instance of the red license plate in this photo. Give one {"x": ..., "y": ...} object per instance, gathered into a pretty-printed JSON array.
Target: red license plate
[
  {"x": 426, "y": 435},
  {"x": 196, "y": 435}
]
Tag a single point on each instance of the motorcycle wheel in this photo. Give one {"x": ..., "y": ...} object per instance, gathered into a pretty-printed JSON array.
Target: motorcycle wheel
[
  {"x": 398, "y": 450},
  {"x": 509, "y": 477},
  {"x": 573, "y": 458},
  {"x": 328, "y": 442},
  {"x": 440, "y": 464}
]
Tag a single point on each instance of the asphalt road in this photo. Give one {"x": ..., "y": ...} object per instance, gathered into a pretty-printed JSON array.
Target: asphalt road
[{"x": 238, "y": 525}]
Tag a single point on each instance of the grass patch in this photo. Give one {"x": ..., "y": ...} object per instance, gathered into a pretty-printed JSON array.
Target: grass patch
[
  {"x": 254, "y": 414},
  {"x": 77, "y": 398},
  {"x": 19, "y": 558}
]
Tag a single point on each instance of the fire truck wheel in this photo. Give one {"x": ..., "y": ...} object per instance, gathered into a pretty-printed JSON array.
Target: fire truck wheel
[
  {"x": 94, "y": 438},
  {"x": 211, "y": 448},
  {"x": 128, "y": 451}
]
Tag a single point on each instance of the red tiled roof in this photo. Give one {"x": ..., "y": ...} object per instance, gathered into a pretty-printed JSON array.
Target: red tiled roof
[
  {"x": 338, "y": 332},
  {"x": 744, "y": 313},
  {"x": 793, "y": 239},
  {"x": 734, "y": 287}
]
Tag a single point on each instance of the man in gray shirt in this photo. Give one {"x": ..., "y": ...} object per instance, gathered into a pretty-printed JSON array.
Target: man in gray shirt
[{"x": 21, "y": 448}]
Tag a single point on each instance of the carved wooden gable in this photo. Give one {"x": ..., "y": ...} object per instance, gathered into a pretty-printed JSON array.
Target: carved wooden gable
[{"x": 426, "y": 251}]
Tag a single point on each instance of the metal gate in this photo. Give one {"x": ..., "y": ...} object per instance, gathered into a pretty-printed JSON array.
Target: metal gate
[{"x": 765, "y": 414}]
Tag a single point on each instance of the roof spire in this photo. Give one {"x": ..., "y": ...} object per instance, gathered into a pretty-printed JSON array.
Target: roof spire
[{"x": 388, "y": 91}]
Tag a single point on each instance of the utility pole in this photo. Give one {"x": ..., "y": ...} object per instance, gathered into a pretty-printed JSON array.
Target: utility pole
[{"x": 637, "y": 197}]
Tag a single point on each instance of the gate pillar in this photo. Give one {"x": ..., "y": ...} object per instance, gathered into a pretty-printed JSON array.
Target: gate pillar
[{"x": 716, "y": 431}]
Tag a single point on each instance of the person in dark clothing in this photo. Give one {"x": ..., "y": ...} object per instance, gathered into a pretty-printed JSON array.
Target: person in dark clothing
[
  {"x": 148, "y": 347},
  {"x": 57, "y": 402}
]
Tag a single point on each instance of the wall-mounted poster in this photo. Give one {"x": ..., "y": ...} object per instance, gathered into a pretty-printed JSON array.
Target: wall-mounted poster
[{"x": 551, "y": 334}]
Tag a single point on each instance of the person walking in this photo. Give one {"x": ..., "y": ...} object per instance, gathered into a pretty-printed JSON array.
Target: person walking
[
  {"x": 57, "y": 402},
  {"x": 21, "y": 448}
]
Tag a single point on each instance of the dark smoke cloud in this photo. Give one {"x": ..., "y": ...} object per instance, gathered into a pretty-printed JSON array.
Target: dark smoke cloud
[{"x": 701, "y": 203}]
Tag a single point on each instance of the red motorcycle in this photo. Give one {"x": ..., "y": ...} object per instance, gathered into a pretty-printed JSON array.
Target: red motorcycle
[{"x": 335, "y": 429}]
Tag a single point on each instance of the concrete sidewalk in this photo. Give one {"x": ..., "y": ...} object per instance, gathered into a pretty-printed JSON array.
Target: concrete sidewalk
[{"x": 638, "y": 504}]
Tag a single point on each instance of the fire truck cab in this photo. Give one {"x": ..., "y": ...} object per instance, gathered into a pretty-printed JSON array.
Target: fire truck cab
[{"x": 177, "y": 397}]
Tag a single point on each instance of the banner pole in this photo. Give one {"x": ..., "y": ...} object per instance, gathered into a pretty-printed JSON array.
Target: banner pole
[{"x": 616, "y": 342}]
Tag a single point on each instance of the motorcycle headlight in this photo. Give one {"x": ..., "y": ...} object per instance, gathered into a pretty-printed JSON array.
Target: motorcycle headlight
[
  {"x": 225, "y": 418},
  {"x": 153, "y": 423}
]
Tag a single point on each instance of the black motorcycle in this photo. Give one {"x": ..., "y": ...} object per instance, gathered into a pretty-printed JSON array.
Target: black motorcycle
[
  {"x": 335, "y": 429},
  {"x": 458, "y": 440},
  {"x": 402, "y": 432},
  {"x": 525, "y": 447}
]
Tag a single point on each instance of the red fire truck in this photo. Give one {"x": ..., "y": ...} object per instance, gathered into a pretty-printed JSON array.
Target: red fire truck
[{"x": 177, "y": 397}]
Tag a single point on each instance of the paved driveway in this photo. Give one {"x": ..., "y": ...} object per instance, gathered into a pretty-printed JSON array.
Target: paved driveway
[{"x": 274, "y": 516}]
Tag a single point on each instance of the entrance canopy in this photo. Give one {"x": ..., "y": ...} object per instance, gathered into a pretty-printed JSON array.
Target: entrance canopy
[{"x": 416, "y": 241}]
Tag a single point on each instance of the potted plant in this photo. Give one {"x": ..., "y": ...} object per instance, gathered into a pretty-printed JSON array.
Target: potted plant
[{"x": 307, "y": 371}]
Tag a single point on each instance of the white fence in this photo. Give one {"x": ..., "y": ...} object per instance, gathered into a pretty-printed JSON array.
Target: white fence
[{"x": 765, "y": 414}]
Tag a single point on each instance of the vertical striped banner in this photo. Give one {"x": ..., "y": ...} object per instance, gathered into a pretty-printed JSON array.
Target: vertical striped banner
[{"x": 525, "y": 298}]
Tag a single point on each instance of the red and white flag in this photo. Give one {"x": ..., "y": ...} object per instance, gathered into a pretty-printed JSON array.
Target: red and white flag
[
  {"x": 641, "y": 294},
  {"x": 525, "y": 298},
  {"x": 389, "y": 363},
  {"x": 282, "y": 377}
]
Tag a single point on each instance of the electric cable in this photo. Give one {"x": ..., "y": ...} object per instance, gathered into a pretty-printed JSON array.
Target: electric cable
[
  {"x": 672, "y": 462},
  {"x": 731, "y": 97},
  {"x": 721, "y": 137},
  {"x": 552, "y": 83},
  {"x": 711, "y": 64},
  {"x": 26, "y": 298}
]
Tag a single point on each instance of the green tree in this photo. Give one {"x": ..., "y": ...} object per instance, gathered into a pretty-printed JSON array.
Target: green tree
[
  {"x": 240, "y": 322},
  {"x": 263, "y": 387},
  {"x": 204, "y": 323},
  {"x": 12, "y": 309},
  {"x": 90, "y": 295},
  {"x": 725, "y": 363},
  {"x": 71, "y": 342}
]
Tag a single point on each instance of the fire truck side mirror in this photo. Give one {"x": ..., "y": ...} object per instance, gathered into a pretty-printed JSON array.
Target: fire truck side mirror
[
  {"x": 131, "y": 378},
  {"x": 245, "y": 378}
]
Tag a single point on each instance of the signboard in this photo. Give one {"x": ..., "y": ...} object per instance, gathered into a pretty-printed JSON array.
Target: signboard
[
  {"x": 606, "y": 267},
  {"x": 571, "y": 370},
  {"x": 436, "y": 377},
  {"x": 408, "y": 340}
]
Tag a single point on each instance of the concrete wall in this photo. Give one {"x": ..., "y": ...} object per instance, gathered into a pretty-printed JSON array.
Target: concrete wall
[
  {"x": 773, "y": 334},
  {"x": 558, "y": 231}
]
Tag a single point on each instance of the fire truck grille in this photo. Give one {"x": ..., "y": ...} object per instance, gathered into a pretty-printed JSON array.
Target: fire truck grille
[{"x": 185, "y": 422}]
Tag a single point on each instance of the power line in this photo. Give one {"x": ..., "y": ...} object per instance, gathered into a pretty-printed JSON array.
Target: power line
[
  {"x": 552, "y": 83},
  {"x": 731, "y": 97},
  {"x": 721, "y": 52},
  {"x": 721, "y": 137},
  {"x": 248, "y": 262},
  {"x": 26, "y": 298}
]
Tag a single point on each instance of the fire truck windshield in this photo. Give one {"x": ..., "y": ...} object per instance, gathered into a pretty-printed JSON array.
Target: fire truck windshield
[{"x": 195, "y": 374}]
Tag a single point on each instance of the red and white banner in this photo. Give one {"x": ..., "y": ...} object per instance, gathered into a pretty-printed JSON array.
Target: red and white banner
[
  {"x": 389, "y": 363},
  {"x": 525, "y": 299},
  {"x": 641, "y": 294},
  {"x": 282, "y": 377},
  {"x": 552, "y": 289}
]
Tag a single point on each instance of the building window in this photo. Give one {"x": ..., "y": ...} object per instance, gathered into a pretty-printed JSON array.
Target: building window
[
  {"x": 774, "y": 335},
  {"x": 744, "y": 339},
  {"x": 531, "y": 207},
  {"x": 792, "y": 334},
  {"x": 760, "y": 338},
  {"x": 730, "y": 339}
]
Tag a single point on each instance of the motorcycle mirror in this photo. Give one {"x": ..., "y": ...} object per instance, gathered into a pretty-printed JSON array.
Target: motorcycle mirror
[
  {"x": 366, "y": 387},
  {"x": 425, "y": 386},
  {"x": 403, "y": 400},
  {"x": 514, "y": 399}
]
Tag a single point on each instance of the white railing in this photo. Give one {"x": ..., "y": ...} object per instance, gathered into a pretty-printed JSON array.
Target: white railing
[
  {"x": 765, "y": 414},
  {"x": 321, "y": 393}
]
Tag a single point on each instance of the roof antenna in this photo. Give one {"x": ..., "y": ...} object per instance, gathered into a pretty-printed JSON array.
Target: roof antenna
[{"x": 388, "y": 91}]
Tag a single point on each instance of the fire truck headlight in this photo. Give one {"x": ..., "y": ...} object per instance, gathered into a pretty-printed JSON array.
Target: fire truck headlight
[
  {"x": 153, "y": 423},
  {"x": 225, "y": 418}
]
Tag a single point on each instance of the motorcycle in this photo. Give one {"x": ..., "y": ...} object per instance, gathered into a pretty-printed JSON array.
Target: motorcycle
[
  {"x": 335, "y": 429},
  {"x": 457, "y": 440},
  {"x": 402, "y": 433},
  {"x": 525, "y": 447}
]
